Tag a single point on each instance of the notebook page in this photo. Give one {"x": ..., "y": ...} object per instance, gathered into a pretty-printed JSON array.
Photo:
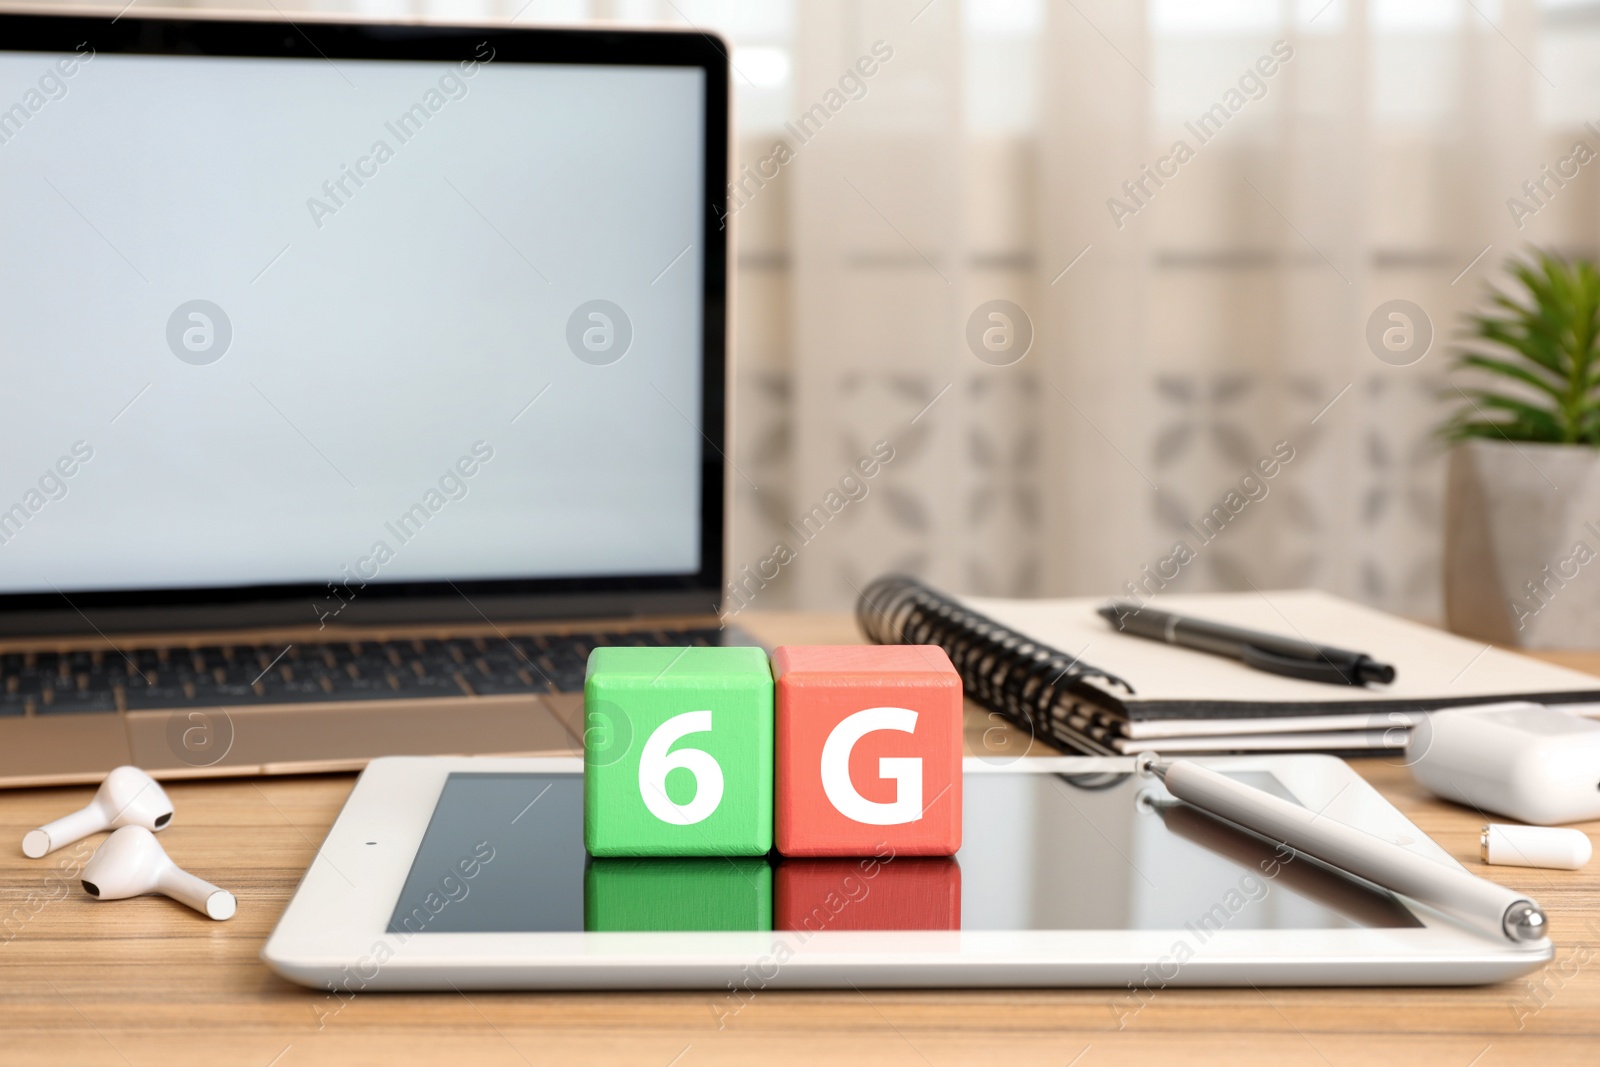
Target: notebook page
[{"x": 1432, "y": 667}]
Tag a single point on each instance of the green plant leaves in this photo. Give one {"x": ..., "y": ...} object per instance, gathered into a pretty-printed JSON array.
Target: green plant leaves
[
  {"x": 1545, "y": 335},
  {"x": 1512, "y": 370}
]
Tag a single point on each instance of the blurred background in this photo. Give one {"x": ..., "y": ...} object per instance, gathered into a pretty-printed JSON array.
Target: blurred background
[{"x": 1163, "y": 334}]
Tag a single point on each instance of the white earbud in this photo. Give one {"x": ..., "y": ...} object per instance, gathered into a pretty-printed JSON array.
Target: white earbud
[
  {"x": 132, "y": 863},
  {"x": 128, "y": 797}
]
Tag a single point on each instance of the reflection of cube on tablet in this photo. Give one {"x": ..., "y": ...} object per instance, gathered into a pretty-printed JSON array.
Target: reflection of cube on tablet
[
  {"x": 677, "y": 752},
  {"x": 700, "y": 893},
  {"x": 868, "y": 750},
  {"x": 900, "y": 893}
]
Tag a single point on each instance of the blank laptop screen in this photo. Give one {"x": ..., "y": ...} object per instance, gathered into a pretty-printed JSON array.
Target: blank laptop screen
[{"x": 297, "y": 320}]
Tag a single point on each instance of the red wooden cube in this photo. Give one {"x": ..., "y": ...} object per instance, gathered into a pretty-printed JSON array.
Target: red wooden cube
[
  {"x": 868, "y": 750},
  {"x": 896, "y": 893}
]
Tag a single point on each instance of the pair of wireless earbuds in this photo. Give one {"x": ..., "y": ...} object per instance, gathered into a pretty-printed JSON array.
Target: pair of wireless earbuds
[{"x": 131, "y": 862}]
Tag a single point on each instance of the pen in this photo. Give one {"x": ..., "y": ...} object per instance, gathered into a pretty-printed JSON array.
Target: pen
[
  {"x": 1264, "y": 652},
  {"x": 1455, "y": 892}
]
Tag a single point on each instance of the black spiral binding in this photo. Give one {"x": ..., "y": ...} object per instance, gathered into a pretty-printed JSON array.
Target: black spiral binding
[{"x": 1031, "y": 684}]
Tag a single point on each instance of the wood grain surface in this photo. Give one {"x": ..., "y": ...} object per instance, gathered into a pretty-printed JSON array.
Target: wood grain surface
[{"x": 146, "y": 982}]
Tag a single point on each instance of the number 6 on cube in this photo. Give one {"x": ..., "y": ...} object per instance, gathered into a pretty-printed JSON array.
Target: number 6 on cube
[
  {"x": 685, "y": 766},
  {"x": 655, "y": 762}
]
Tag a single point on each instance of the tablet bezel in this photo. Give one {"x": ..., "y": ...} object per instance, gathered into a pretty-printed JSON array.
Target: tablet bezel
[{"x": 333, "y": 934}]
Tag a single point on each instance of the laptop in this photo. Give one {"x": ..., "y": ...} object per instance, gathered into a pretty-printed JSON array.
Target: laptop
[{"x": 359, "y": 379}]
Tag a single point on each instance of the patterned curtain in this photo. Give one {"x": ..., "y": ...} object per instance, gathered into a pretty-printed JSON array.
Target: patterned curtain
[
  {"x": 1190, "y": 213},
  {"x": 1067, "y": 296}
]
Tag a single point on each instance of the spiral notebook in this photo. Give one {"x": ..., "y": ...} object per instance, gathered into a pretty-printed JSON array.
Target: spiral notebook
[{"x": 1058, "y": 669}]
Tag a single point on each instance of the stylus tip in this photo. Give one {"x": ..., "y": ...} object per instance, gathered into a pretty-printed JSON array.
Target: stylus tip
[
  {"x": 1149, "y": 763},
  {"x": 1525, "y": 922}
]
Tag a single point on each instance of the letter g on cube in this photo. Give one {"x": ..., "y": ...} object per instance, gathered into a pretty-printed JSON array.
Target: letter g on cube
[{"x": 868, "y": 750}]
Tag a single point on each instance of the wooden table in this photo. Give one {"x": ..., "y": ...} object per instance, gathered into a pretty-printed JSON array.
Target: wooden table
[{"x": 146, "y": 982}]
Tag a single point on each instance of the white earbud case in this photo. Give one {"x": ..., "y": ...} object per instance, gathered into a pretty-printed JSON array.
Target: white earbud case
[{"x": 1534, "y": 763}]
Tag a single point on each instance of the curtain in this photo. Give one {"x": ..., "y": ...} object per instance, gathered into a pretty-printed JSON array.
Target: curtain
[
  {"x": 1056, "y": 297},
  {"x": 1195, "y": 210}
]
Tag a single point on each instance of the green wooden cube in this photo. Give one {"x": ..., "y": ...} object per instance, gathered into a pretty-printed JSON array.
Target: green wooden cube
[
  {"x": 698, "y": 893},
  {"x": 677, "y": 752}
]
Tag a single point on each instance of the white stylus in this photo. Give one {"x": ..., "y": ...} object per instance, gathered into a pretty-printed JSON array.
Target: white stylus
[{"x": 1451, "y": 890}]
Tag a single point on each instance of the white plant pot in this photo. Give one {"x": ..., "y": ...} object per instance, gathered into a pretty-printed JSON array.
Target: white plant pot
[{"x": 1522, "y": 544}]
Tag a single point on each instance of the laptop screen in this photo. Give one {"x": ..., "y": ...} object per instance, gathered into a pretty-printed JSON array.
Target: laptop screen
[{"x": 284, "y": 321}]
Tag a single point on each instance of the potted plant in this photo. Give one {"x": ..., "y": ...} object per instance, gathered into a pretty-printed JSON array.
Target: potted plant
[{"x": 1522, "y": 500}]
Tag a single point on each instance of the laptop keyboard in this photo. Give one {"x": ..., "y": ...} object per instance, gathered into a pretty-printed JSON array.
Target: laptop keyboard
[{"x": 135, "y": 679}]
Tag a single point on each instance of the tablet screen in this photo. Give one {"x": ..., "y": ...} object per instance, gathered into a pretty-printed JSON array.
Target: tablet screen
[{"x": 504, "y": 853}]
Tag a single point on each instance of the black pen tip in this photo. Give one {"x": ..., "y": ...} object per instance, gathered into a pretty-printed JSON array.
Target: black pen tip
[{"x": 1371, "y": 671}]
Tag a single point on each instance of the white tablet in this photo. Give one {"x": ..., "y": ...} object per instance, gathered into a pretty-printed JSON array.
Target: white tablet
[{"x": 470, "y": 873}]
